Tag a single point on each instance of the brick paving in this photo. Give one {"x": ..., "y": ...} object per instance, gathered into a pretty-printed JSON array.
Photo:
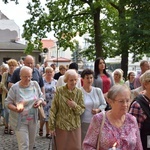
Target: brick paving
[{"x": 9, "y": 142}]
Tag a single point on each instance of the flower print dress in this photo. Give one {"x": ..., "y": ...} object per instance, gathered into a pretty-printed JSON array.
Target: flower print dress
[{"x": 50, "y": 88}]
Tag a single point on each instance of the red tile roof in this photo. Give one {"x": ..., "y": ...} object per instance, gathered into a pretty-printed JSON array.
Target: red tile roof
[{"x": 48, "y": 43}]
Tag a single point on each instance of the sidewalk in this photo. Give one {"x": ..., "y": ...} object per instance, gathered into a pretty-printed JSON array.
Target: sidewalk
[{"x": 9, "y": 142}]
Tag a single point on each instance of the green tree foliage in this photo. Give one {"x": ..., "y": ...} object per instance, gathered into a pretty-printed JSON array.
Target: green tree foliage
[
  {"x": 139, "y": 27},
  {"x": 66, "y": 18},
  {"x": 123, "y": 28}
]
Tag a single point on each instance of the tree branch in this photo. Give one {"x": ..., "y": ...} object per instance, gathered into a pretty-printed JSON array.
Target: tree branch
[{"x": 113, "y": 5}]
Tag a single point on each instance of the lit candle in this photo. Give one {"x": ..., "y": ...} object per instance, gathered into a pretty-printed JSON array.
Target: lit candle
[
  {"x": 114, "y": 147},
  {"x": 20, "y": 106}
]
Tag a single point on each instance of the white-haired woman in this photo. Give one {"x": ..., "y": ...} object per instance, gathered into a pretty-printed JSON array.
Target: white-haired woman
[
  {"x": 67, "y": 107},
  {"x": 118, "y": 76},
  {"x": 23, "y": 99}
]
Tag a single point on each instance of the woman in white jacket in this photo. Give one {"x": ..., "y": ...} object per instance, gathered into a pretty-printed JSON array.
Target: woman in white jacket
[{"x": 93, "y": 99}]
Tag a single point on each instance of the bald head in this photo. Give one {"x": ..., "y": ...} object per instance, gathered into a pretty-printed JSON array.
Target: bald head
[{"x": 29, "y": 61}]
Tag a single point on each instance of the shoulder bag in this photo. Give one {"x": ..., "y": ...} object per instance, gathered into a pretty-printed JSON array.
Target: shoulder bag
[{"x": 101, "y": 127}]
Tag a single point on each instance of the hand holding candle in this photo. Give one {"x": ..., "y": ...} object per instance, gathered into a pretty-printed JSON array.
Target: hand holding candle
[
  {"x": 114, "y": 147},
  {"x": 20, "y": 106}
]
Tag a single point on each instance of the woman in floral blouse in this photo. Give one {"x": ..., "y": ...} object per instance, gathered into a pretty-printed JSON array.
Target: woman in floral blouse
[
  {"x": 120, "y": 129},
  {"x": 50, "y": 88},
  {"x": 67, "y": 107}
]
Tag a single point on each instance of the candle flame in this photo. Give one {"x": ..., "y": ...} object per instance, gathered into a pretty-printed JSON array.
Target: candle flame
[
  {"x": 20, "y": 106},
  {"x": 115, "y": 144}
]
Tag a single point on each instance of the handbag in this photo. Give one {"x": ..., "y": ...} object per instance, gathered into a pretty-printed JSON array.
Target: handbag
[
  {"x": 41, "y": 112},
  {"x": 100, "y": 130}
]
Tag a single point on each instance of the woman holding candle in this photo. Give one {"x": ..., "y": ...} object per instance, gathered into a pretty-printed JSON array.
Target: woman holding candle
[
  {"x": 120, "y": 130},
  {"x": 23, "y": 99},
  {"x": 67, "y": 107}
]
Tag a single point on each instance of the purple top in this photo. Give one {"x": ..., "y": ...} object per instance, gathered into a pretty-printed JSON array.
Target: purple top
[
  {"x": 127, "y": 137},
  {"x": 137, "y": 82}
]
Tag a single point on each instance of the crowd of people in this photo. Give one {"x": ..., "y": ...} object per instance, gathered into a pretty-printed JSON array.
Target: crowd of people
[{"x": 92, "y": 110}]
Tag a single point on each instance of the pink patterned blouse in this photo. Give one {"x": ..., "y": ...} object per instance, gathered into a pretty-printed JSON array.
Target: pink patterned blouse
[{"x": 127, "y": 137}]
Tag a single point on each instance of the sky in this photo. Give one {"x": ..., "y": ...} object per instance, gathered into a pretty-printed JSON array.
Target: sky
[{"x": 18, "y": 13}]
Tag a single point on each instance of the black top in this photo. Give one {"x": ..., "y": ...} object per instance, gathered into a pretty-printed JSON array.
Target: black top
[{"x": 57, "y": 75}]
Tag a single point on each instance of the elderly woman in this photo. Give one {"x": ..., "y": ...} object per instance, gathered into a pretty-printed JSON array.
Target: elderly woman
[
  {"x": 23, "y": 99},
  {"x": 140, "y": 108},
  {"x": 6, "y": 77},
  {"x": 67, "y": 107},
  {"x": 122, "y": 128},
  {"x": 50, "y": 88},
  {"x": 93, "y": 99},
  {"x": 3, "y": 69},
  {"x": 118, "y": 76}
]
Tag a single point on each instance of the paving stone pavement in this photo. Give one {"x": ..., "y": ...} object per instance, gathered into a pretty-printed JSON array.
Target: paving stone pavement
[{"x": 9, "y": 142}]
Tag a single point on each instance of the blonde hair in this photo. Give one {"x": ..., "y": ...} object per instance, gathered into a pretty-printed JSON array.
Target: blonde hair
[
  {"x": 120, "y": 72},
  {"x": 145, "y": 77},
  {"x": 12, "y": 62},
  {"x": 68, "y": 73},
  {"x": 49, "y": 69}
]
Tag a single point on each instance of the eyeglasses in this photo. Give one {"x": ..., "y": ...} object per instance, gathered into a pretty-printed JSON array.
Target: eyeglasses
[
  {"x": 123, "y": 101},
  {"x": 30, "y": 77}
]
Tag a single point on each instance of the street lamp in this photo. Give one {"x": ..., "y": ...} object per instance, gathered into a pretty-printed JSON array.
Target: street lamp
[{"x": 57, "y": 43}]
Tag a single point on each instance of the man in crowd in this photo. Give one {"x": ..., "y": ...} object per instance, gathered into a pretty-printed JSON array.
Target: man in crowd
[{"x": 28, "y": 61}]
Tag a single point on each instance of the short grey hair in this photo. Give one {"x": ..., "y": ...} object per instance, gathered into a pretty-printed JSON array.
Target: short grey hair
[
  {"x": 25, "y": 68},
  {"x": 116, "y": 89},
  {"x": 68, "y": 73}
]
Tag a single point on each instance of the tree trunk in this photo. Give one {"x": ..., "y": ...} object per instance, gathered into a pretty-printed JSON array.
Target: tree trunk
[
  {"x": 97, "y": 33},
  {"x": 124, "y": 42}
]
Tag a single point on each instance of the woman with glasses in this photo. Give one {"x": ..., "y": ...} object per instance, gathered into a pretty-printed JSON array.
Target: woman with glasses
[
  {"x": 23, "y": 99},
  {"x": 120, "y": 130}
]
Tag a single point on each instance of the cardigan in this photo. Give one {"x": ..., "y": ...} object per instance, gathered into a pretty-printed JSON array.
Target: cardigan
[
  {"x": 14, "y": 96},
  {"x": 61, "y": 115},
  {"x": 97, "y": 100},
  {"x": 99, "y": 83}
]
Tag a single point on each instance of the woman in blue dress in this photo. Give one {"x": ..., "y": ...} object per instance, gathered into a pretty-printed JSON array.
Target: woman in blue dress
[{"x": 49, "y": 85}]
